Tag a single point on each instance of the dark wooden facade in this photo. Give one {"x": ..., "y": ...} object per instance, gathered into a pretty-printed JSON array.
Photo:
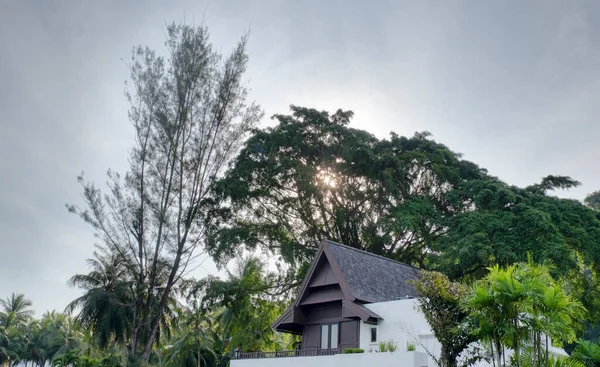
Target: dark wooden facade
[{"x": 325, "y": 313}]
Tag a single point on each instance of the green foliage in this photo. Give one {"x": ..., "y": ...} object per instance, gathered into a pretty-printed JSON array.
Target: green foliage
[
  {"x": 527, "y": 359},
  {"x": 410, "y": 347},
  {"x": 593, "y": 200},
  {"x": 67, "y": 359},
  {"x": 587, "y": 352},
  {"x": 105, "y": 308},
  {"x": 563, "y": 362},
  {"x": 440, "y": 301},
  {"x": 507, "y": 223},
  {"x": 16, "y": 311},
  {"x": 522, "y": 306},
  {"x": 312, "y": 176},
  {"x": 15, "y": 314},
  {"x": 55, "y": 338},
  {"x": 245, "y": 305},
  {"x": 189, "y": 114},
  {"x": 352, "y": 351},
  {"x": 388, "y": 346}
]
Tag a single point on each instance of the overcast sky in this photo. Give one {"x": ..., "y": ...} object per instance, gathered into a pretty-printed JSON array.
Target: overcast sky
[{"x": 511, "y": 84}]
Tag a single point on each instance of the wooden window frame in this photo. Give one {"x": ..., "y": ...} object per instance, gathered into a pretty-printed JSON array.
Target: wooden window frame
[
  {"x": 371, "y": 329},
  {"x": 329, "y": 327}
]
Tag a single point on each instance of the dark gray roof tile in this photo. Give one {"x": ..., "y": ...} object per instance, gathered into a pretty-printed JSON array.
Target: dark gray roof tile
[{"x": 373, "y": 278}]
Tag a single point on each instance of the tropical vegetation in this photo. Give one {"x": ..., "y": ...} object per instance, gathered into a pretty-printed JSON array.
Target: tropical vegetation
[
  {"x": 521, "y": 308},
  {"x": 204, "y": 180}
]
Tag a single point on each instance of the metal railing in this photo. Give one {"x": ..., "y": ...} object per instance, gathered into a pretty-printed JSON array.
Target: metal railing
[{"x": 287, "y": 353}]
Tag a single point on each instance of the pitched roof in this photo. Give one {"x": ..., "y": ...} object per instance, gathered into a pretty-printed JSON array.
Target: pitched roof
[
  {"x": 373, "y": 278},
  {"x": 362, "y": 277}
]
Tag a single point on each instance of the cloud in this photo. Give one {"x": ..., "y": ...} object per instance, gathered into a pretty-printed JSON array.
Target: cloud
[{"x": 511, "y": 85}]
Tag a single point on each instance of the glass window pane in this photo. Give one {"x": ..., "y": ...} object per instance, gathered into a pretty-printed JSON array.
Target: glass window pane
[
  {"x": 324, "y": 336},
  {"x": 334, "y": 336},
  {"x": 373, "y": 334}
]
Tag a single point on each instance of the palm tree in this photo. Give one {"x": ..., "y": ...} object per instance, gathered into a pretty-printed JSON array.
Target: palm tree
[
  {"x": 481, "y": 305},
  {"x": 16, "y": 311},
  {"x": 32, "y": 347},
  {"x": 67, "y": 359},
  {"x": 14, "y": 316},
  {"x": 587, "y": 352},
  {"x": 57, "y": 334},
  {"x": 517, "y": 306},
  {"x": 12, "y": 345},
  {"x": 553, "y": 316},
  {"x": 106, "y": 306},
  {"x": 191, "y": 344}
]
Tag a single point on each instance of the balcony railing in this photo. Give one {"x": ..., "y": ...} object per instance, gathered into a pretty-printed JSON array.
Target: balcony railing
[{"x": 287, "y": 353}]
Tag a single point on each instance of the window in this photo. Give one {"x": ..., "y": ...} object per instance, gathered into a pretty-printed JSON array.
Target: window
[
  {"x": 329, "y": 336},
  {"x": 324, "y": 336},
  {"x": 334, "y": 336},
  {"x": 373, "y": 335}
]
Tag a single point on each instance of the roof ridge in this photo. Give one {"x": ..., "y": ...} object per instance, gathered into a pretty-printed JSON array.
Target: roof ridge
[{"x": 372, "y": 254}]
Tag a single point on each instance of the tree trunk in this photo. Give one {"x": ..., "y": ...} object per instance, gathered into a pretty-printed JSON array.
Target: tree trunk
[
  {"x": 199, "y": 356},
  {"x": 516, "y": 342},
  {"x": 547, "y": 356}
]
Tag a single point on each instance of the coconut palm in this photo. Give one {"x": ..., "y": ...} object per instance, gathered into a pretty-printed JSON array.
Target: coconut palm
[
  {"x": 106, "y": 306},
  {"x": 16, "y": 311},
  {"x": 67, "y": 359},
  {"x": 192, "y": 343}
]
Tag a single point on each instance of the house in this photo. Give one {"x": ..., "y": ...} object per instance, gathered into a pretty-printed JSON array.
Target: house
[
  {"x": 352, "y": 299},
  {"x": 330, "y": 311}
]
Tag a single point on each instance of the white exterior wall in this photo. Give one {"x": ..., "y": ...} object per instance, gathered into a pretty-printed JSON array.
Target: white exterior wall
[
  {"x": 399, "y": 358},
  {"x": 403, "y": 323}
]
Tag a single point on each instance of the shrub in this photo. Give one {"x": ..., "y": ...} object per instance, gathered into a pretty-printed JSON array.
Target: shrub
[
  {"x": 410, "y": 347},
  {"x": 388, "y": 346},
  {"x": 352, "y": 350}
]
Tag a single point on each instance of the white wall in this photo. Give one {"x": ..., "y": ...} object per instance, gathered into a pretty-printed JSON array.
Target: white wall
[
  {"x": 399, "y": 358},
  {"x": 402, "y": 322}
]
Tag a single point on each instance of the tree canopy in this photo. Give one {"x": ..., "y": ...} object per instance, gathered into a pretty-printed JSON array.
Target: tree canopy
[
  {"x": 312, "y": 176},
  {"x": 440, "y": 302},
  {"x": 593, "y": 200},
  {"x": 202, "y": 177},
  {"x": 189, "y": 113}
]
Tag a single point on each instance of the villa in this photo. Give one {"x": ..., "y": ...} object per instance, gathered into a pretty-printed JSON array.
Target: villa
[{"x": 353, "y": 299}]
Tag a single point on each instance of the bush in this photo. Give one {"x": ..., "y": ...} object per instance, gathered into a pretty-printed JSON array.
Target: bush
[
  {"x": 352, "y": 350},
  {"x": 388, "y": 346},
  {"x": 410, "y": 347}
]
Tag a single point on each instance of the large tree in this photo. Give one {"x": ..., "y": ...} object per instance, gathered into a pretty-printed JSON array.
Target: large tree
[
  {"x": 440, "y": 302},
  {"x": 412, "y": 199},
  {"x": 505, "y": 223},
  {"x": 312, "y": 176},
  {"x": 190, "y": 115},
  {"x": 593, "y": 200}
]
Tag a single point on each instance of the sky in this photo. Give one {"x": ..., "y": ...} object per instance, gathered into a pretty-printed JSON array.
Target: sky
[{"x": 510, "y": 84}]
